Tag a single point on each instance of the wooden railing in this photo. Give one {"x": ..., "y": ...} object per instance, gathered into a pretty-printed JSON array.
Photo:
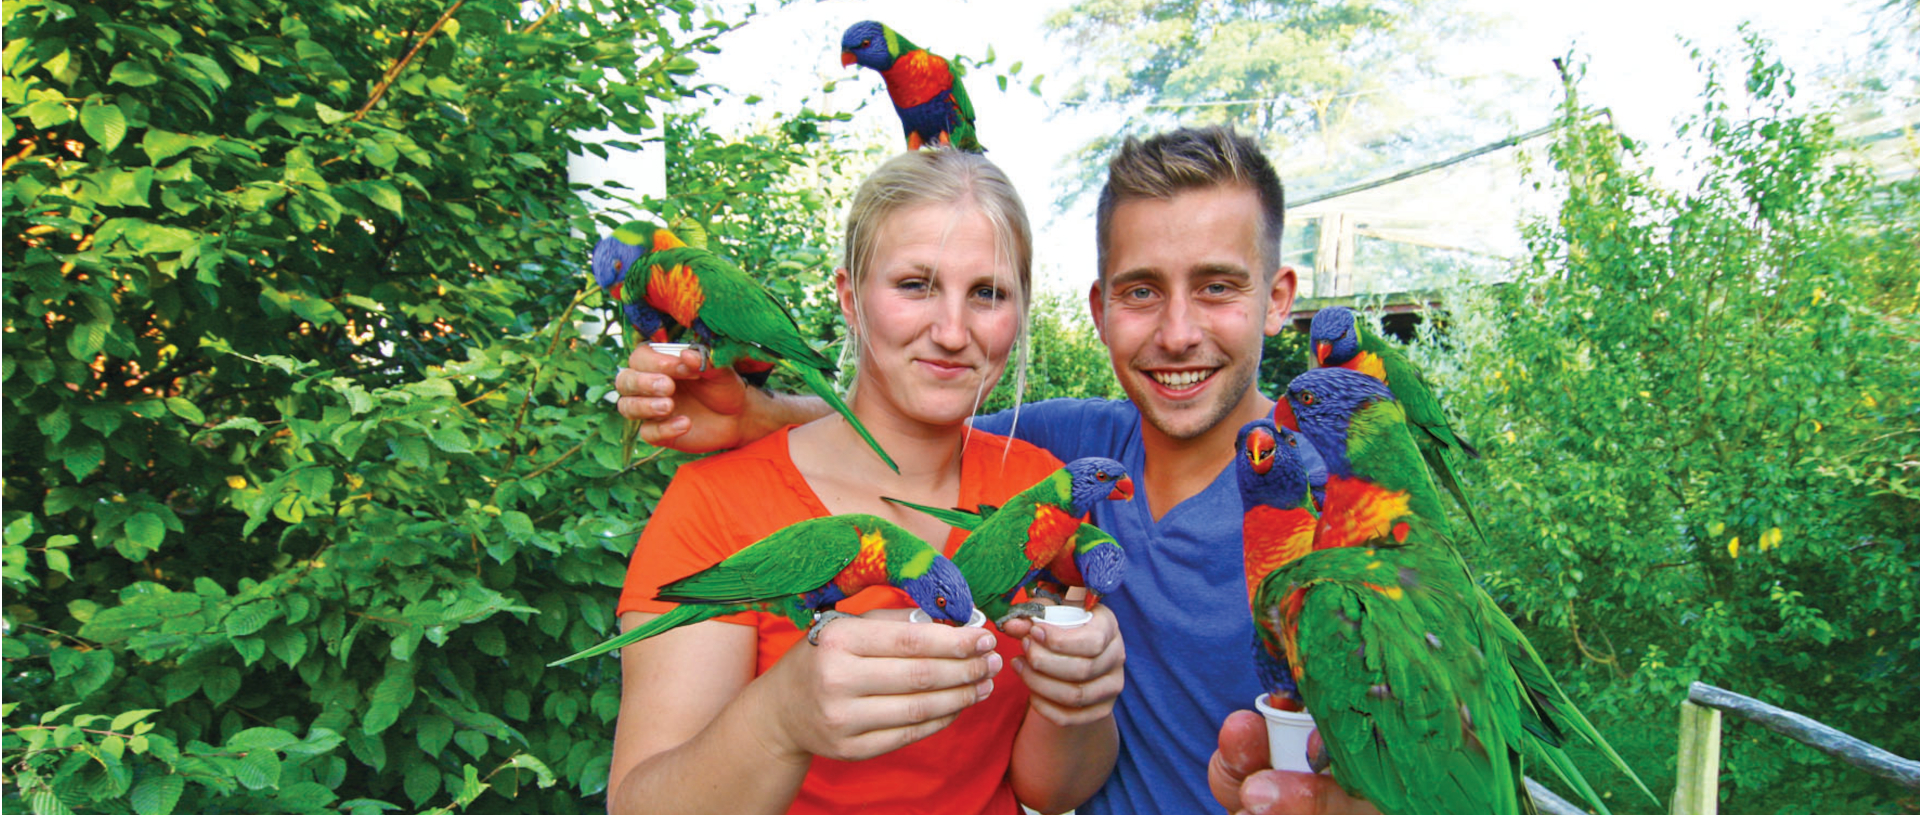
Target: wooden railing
[{"x": 1697, "y": 789}]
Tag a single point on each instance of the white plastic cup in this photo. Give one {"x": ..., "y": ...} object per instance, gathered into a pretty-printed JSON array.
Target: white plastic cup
[
  {"x": 671, "y": 349},
  {"x": 978, "y": 620},
  {"x": 1067, "y": 616},
  {"x": 1287, "y": 733}
]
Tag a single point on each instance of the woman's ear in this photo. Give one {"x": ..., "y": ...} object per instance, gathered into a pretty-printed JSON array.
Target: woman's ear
[{"x": 843, "y": 292}]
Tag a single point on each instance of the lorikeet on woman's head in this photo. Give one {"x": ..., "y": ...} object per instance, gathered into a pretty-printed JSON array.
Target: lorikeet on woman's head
[
  {"x": 1008, "y": 546},
  {"x": 1339, "y": 340},
  {"x": 928, "y": 95},
  {"x": 1426, "y": 696},
  {"x": 801, "y": 571}
]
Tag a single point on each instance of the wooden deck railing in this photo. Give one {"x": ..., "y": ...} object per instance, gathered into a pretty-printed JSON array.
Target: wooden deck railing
[{"x": 1697, "y": 788}]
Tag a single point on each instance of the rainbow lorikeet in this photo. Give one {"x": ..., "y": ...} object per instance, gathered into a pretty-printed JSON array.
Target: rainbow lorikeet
[
  {"x": 1426, "y": 696},
  {"x": 616, "y": 253},
  {"x": 931, "y": 100},
  {"x": 1276, "y": 527},
  {"x": 739, "y": 324},
  {"x": 1093, "y": 560},
  {"x": 801, "y": 571},
  {"x": 1008, "y": 546},
  {"x": 1338, "y": 340}
]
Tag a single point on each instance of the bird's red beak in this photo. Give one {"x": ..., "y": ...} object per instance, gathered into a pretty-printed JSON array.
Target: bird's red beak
[
  {"x": 1260, "y": 451},
  {"x": 1092, "y": 599},
  {"x": 1320, "y": 352},
  {"x": 615, "y": 291},
  {"x": 1283, "y": 414},
  {"x": 1122, "y": 490},
  {"x": 846, "y": 58}
]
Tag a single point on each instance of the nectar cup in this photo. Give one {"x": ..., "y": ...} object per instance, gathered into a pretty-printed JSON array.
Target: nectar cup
[
  {"x": 1067, "y": 616},
  {"x": 671, "y": 349},
  {"x": 978, "y": 620},
  {"x": 1287, "y": 733}
]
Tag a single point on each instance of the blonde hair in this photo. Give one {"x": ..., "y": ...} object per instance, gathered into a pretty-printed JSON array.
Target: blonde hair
[
  {"x": 1192, "y": 159},
  {"x": 943, "y": 177}
]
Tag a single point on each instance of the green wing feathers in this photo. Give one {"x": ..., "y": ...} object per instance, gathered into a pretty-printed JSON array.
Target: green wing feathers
[{"x": 956, "y": 518}]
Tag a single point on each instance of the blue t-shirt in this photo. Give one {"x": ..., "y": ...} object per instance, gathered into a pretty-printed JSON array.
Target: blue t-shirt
[{"x": 1182, "y": 611}]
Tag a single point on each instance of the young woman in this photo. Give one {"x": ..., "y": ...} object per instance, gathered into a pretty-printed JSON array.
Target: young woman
[{"x": 738, "y": 715}]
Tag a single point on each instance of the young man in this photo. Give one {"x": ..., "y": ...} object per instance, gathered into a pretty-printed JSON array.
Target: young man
[{"x": 1189, "y": 285}]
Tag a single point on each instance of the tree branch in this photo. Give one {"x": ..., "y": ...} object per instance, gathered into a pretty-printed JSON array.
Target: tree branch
[{"x": 394, "y": 72}]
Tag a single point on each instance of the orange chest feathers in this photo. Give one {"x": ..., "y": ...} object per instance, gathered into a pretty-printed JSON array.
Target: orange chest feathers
[
  {"x": 1050, "y": 533},
  {"x": 869, "y": 566},
  {"x": 916, "y": 78},
  {"x": 677, "y": 292},
  {"x": 1359, "y": 512},
  {"x": 1273, "y": 537},
  {"x": 1368, "y": 363}
]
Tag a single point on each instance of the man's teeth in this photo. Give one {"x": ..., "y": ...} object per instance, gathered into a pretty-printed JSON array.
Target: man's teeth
[{"x": 1183, "y": 379}]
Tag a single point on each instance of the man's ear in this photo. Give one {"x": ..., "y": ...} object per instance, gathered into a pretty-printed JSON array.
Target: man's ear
[
  {"x": 1280, "y": 300},
  {"x": 1097, "y": 304}
]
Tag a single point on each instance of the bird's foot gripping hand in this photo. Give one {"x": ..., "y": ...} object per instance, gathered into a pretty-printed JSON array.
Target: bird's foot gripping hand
[
  {"x": 1042, "y": 591},
  {"x": 1019, "y": 611},
  {"x": 706, "y": 355},
  {"x": 820, "y": 620}
]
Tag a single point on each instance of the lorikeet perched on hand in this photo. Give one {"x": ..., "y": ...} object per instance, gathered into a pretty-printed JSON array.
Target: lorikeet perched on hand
[
  {"x": 802, "y": 570},
  {"x": 1427, "y": 698},
  {"x": 739, "y": 324},
  {"x": 1338, "y": 340},
  {"x": 614, "y": 256},
  {"x": 1093, "y": 560},
  {"x": 1008, "y": 546},
  {"x": 1277, "y": 527},
  {"x": 931, "y": 100}
]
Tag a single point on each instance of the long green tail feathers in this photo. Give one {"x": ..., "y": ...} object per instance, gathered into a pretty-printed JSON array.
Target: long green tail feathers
[
  {"x": 818, "y": 384},
  {"x": 956, "y": 518},
  {"x": 685, "y": 614}
]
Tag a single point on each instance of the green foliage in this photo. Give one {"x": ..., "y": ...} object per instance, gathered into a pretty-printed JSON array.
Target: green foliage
[
  {"x": 307, "y": 467},
  {"x": 1676, "y": 371},
  {"x": 1067, "y": 360}
]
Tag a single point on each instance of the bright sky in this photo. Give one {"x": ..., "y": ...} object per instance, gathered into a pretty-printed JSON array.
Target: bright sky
[{"x": 1637, "y": 66}]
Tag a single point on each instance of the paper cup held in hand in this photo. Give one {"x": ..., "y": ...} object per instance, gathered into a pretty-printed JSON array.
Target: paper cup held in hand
[
  {"x": 978, "y": 619},
  {"x": 1287, "y": 733},
  {"x": 671, "y": 349},
  {"x": 1067, "y": 616}
]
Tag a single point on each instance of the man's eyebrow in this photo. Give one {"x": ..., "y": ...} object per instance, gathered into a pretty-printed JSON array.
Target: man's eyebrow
[
  {"x": 1224, "y": 270},
  {"x": 1132, "y": 276}
]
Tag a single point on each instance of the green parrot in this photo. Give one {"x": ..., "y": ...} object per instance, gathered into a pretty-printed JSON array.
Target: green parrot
[
  {"x": 1339, "y": 340},
  {"x": 926, "y": 92},
  {"x": 1008, "y": 546},
  {"x": 740, "y": 325},
  {"x": 1426, "y": 696},
  {"x": 801, "y": 571}
]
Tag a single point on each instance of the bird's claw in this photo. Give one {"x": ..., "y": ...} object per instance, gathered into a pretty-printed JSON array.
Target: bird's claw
[
  {"x": 820, "y": 620},
  {"x": 1028, "y": 610}
]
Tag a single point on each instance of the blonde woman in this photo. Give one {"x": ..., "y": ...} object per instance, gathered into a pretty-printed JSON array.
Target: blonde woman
[{"x": 735, "y": 715}]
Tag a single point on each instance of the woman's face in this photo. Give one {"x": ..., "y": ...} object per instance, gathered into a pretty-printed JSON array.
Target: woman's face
[{"x": 938, "y": 313}]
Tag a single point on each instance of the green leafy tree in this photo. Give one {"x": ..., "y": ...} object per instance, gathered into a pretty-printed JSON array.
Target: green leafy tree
[
  {"x": 1328, "y": 87},
  {"x": 308, "y": 470},
  {"x": 1701, "y": 439}
]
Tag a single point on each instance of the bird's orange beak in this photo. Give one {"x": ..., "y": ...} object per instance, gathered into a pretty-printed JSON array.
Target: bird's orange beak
[
  {"x": 1283, "y": 414},
  {"x": 1122, "y": 490},
  {"x": 1092, "y": 599},
  {"x": 846, "y": 58},
  {"x": 1320, "y": 352},
  {"x": 664, "y": 240},
  {"x": 1260, "y": 451}
]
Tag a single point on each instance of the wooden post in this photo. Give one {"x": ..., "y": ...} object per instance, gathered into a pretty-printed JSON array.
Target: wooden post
[
  {"x": 1696, "y": 789},
  {"x": 1333, "y": 259}
]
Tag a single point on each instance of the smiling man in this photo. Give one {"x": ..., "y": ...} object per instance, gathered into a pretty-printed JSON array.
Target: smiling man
[{"x": 1189, "y": 285}]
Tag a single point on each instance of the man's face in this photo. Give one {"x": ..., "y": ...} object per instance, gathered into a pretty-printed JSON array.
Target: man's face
[{"x": 1186, "y": 304}]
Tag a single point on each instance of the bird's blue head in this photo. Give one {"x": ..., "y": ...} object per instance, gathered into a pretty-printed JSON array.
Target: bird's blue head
[
  {"x": 1269, "y": 465},
  {"x": 612, "y": 258},
  {"x": 1334, "y": 336},
  {"x": 1324, "y": 401},
  {"x": 1101, "y": 561},
  {"x": 941, "y": 592},
  {"x": 865, "y": 43},
  {"x": 1095, "y": 478}
]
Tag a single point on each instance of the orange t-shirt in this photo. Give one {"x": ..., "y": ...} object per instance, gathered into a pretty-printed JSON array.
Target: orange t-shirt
[{"x": 718, "y": 505}]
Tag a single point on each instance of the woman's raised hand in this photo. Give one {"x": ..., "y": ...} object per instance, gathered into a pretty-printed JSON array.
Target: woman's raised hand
[
  {"x": 1074, "y": 674},
  {"x": 873, "y": 686}
]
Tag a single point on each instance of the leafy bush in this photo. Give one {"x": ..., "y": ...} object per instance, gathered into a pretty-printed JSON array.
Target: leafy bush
[
  {"x": 1701, "y": 436},
  {"x": 307, "y": 468}
]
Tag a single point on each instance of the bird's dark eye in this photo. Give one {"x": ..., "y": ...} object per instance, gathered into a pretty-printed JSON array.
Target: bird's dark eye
[
  {"x": 1291, "y": 442},
  {"x": 940, "y": 601},
  {"x": 865, "y": 43},
  {"x": 1306, "y": 397}
]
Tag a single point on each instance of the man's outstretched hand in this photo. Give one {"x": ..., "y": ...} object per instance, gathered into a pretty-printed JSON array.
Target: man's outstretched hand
[
  {"x": 1242, "y": 782},
  {"x": 680, "y": 406}
]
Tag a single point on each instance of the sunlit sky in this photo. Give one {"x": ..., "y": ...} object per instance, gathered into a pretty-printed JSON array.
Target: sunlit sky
[{"x": 1637, "y": 65}]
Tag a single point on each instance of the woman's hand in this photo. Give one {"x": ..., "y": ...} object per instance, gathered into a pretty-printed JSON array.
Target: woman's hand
[
  {"x": 1242, "y": 783},
  {"x": 681, "y": 406},
  {"x": 873, "y": 686},
  {"x": 1073, "y": 674}
]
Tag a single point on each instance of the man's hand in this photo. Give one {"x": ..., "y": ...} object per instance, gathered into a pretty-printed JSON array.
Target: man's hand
[
  {"x": 1242, "y": 783},
  {"x": 1073, "y": 675},
  {"x": 680, "y": 406}
]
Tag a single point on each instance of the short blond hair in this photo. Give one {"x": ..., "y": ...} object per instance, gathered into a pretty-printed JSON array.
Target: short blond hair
[{"x": 1189, "y": 159}]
